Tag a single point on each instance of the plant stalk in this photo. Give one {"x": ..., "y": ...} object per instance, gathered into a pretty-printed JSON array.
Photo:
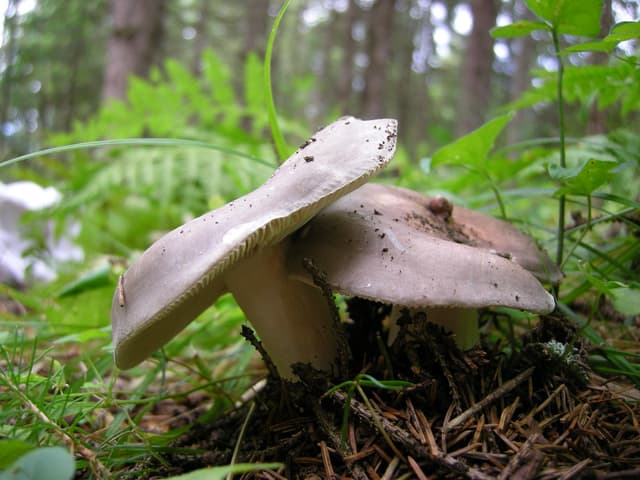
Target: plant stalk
[{"x": 563, "y": 154}]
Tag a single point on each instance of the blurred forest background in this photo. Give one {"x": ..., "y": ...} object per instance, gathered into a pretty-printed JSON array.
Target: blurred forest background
[{"x": 430, "y": 63}]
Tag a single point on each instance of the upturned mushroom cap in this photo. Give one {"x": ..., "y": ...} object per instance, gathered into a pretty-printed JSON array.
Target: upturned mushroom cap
[
  {"x": 396, "y": 246},
  {"x": 182, "y": 274}
]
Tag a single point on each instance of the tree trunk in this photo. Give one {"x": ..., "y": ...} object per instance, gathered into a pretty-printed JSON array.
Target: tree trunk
[
  {"x": 523, "y": 51},
  {"x": 407, "y": 96},
  {"x": 477, "y": 67},
  {"x": 598, "y": 118},
  {"x": 136, "y": 34},
  {"x": 379, "y": 53},
  {"x": 257, "y": 20}
]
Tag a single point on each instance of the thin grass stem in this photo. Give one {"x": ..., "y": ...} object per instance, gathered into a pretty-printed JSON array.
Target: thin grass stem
[
  {"x": 279, "y": 142},
  {"x": 134, "y": 142},
  {"x": 563, "y": 153}
]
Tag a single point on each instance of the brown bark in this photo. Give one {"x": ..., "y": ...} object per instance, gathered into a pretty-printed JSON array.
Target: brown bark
[
  {"x": 477, "y": 67},
  {"x": 257, "y": 19},
  {"x": 523, "y": 50},
  {"x": 407, "y": 97},
  {"x": 379, "y": 53},
  {"x": 133, "y": 45},
  {"x": 598, "y": 118}
]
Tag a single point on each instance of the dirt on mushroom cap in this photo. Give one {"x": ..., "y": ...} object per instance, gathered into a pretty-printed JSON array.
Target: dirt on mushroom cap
[{"x": 381, "y": 243}]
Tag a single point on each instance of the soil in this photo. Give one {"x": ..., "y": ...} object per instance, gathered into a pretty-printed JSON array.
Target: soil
[{"x": 538, "y": 412}]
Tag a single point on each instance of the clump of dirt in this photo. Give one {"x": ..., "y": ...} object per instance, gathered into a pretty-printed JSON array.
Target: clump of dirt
[{"x": 480, "y": 414}]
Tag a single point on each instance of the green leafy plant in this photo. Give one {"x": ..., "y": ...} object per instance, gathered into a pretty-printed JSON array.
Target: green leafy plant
[
  {"x": 590, "y": 164},
  {"x": 568, "y": 17},
  {"x": 578, "y": 18},
  {"x": 585, "y": 173}
]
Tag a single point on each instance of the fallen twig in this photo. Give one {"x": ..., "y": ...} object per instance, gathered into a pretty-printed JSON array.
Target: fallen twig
[
  {"x": 490, "y": 398},
  {"x": 526, "y": 463}
]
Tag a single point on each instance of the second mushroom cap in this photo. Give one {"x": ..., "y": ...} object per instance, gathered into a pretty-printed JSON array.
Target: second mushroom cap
[{"x": 400, "y": 247}]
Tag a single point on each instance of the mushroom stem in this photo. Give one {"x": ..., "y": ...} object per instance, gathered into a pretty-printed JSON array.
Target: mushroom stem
[
  {"x": 292, "y": 319},
  {"x": 461, "y": 322}
]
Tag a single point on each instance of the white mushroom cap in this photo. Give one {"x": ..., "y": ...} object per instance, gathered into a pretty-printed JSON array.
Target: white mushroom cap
[
  {"x": 385, "y": 243},
  {"x": 183, "y": 273}
]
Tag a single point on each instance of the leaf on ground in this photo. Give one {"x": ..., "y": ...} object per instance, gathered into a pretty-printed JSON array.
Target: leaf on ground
[{"x": 41, "y": 464}]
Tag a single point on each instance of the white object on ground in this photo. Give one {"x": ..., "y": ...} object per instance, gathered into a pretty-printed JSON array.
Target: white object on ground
[{"x": 16, "y": 267}]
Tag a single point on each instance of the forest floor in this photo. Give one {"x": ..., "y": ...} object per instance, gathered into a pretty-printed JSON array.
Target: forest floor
[{"x": 538, "y": 412}]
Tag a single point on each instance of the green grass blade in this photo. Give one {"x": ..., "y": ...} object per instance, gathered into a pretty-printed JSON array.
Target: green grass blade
[
  {"x": 134, "y": 142},
  {"x": 278, "y": 139},
  {"x": 219, "y": 473},
  {"x": 369, "y": 381}
]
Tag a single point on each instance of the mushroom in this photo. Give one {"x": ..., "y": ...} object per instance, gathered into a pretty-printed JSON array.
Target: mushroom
[
  {"x": 241, "y": 248},
  {"x": 402, "y": 248}
]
